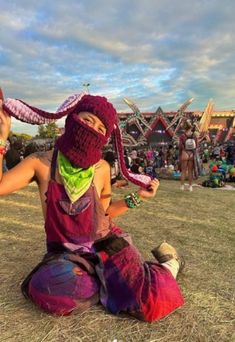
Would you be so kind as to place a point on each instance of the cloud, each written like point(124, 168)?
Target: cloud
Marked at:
point(159, 53)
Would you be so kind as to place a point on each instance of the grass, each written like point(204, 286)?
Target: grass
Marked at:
point(200, 224)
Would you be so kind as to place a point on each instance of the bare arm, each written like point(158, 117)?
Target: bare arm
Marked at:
point(119, 207)
point(23, 173)
point(19, 176)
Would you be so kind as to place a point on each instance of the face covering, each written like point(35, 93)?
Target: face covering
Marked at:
point(80, 143)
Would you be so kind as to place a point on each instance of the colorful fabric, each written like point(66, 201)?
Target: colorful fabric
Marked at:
point(91, 261)
point(62, 286)
point(76, 180)
point(73, 226)
point(148, 289)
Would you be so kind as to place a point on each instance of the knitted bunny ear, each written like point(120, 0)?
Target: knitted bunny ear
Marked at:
point(137, 179)
point(35, 116)
point(70, 102)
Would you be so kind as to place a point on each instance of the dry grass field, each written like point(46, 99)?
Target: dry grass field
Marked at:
point(201, 224)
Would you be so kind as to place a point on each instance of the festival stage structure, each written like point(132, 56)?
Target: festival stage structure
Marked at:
point(161, 128)
point(222, 126)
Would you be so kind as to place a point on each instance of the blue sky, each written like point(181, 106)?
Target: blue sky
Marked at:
point(155, 52)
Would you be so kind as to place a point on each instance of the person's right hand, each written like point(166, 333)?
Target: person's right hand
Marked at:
point(5, 123)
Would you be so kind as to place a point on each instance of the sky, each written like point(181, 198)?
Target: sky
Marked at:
point(154, 52)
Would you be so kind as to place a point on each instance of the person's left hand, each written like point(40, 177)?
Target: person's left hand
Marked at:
point(151, 192)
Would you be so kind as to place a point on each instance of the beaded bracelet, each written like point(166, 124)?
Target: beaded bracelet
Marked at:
point(3, 142)
point(4, 146)
point(132, 200)
point(2, 150)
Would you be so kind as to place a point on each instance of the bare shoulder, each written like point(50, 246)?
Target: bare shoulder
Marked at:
point(102, 166)
point(102, 175)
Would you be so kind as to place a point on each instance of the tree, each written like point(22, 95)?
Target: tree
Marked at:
point(52, 130)
point(49, 130)
point(41, 131)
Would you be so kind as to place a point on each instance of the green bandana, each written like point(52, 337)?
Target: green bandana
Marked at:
point(76, 180)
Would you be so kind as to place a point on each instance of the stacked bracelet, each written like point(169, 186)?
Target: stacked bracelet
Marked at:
point(3, 142)
point(132, 200)
point(4, 146)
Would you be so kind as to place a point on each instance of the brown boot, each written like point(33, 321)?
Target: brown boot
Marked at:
point(165, 252)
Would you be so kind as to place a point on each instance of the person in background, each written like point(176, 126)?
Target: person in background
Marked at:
point(187, 150)
point(128, 160)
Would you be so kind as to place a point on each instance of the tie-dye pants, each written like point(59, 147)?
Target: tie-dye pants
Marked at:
point(116, 276)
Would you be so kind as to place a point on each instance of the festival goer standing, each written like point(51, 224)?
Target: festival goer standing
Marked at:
point(157, 160)
point(222, 153)
point(216, 152)
point(187, 151)
point(127, 159)
point(89, 259)
point(170, 155)
point(162, 156)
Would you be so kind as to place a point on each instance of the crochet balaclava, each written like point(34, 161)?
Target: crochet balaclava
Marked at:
point(81, 144)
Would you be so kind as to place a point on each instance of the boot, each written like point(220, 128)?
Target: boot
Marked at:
point(165, 252)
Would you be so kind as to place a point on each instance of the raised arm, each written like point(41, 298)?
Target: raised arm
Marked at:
point(24, 172)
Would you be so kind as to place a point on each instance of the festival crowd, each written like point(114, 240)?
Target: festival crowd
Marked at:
point(162, 161)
